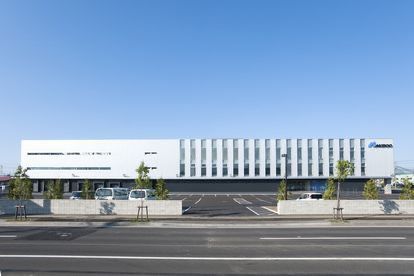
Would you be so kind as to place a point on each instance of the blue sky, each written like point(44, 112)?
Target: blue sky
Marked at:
point(168, 69)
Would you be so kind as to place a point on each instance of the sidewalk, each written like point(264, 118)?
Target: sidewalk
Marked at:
point(211, 222)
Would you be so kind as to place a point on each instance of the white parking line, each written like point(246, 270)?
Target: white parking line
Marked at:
point(187, 209)
point(180, 258)
point(198, 200)
point(8, 236)
point(262, 200)
point(337, 238)
point(242, 201)
point(257, 214)
point(270, 210)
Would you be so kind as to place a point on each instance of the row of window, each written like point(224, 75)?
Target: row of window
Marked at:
point(70, 168)
point(71, 153)
point(246, 161)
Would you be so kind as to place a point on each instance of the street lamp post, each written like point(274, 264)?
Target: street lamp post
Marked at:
point(284, 155)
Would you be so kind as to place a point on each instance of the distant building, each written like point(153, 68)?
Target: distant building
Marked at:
point(219, 165)
point(4, 182)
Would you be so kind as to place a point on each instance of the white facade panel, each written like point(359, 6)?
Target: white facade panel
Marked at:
point(117, 160)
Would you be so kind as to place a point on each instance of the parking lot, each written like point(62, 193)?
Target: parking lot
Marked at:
point(242, 204)
point(213, 205)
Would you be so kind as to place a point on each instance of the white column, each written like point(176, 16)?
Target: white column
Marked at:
point(241, 158)
point(347, 150)
point(230, 146)
point(357, 165)
point(304, 158)
point(209, 160)
point(219, 158)
point(294, 144)
point(262, 157)
point(283, 150)
point(251, 158)
point(315, 164)
point(198, 157)
point(326, 158)
point(272, 157)
point(187, 157)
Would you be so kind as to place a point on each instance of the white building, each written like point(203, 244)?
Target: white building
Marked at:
point(206, 164)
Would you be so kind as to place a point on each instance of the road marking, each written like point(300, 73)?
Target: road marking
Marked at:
point(198, 200)
point(256, 213)
point(187, 209)
point(8, 236)
point(184, 199)
point(337, 238)
point(262, 200)
point(211, 258)
point(270, 210)
point(242, 201)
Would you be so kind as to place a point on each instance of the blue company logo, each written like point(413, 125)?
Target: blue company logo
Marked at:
point(372, 145)
point(375, 145)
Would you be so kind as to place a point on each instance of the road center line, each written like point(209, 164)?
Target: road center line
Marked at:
point(210, 258)
point(336, 238)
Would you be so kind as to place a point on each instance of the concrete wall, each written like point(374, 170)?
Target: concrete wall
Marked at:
point(351, 207)
point(93, 207)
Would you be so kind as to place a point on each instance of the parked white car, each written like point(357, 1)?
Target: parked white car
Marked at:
point(111, 193)
point(138, 194)
point(310, 196)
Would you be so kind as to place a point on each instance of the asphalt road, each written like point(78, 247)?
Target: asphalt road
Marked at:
point(178, 251)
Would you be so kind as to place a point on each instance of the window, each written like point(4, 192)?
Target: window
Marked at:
point(192, 158)
point(278, 158)
point(267, 157)
point(341, 149)
point(331, 157)
point(362, 144)
point(320, 157)
point(203, 158)
point(70, 168)
point(182, 157)
point(299, 157)
point(310, 157)
point(352, 151)
point(246, 157)
point(214, 158)
point(235, 157)
point(225, 158)
point(289, 157)
point(256, 157)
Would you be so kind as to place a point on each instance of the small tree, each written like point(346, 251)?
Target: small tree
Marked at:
point(54, 190)
point(142, 181)
point(86, 190)
point(161, 191)
point(281, 194)
point(344, 169)
point(20, 186)
point(407, 191)
point(330, 189)
point(370, 190)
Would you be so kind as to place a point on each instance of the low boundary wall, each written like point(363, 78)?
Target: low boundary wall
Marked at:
point(92, 207)
point(351, 207)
